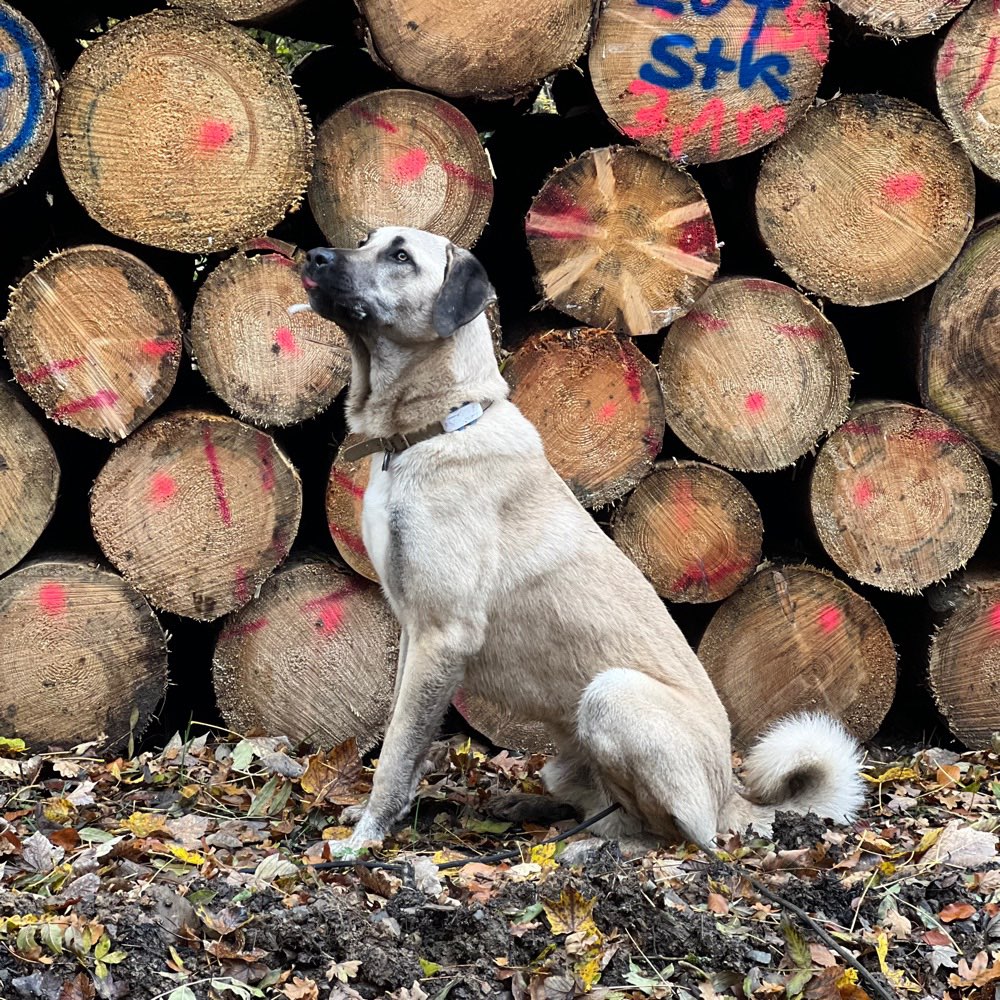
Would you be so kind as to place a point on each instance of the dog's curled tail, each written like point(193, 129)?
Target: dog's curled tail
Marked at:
point(806, 763)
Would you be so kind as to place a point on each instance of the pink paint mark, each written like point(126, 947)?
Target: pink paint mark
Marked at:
point(100, 400)
point(712, 116)
point(52, 599)
point(329, 609)
point(553, 209)
point(285, 340)
point(218, 483)
point(946, 61)
point(243, 629)
point(697, 237)
point(213, 135)
point(242, 591)
point(653, 440)
point(266, 462)
point(651, 119)
point(162, 488)
point(455, 118)
point(159, 348)
point(377, 120)
point(461, 705)
point(935, 435)
point(902, 187)
point(707, 321)
point(799, 330)
point(280, 259)
point(864, 492)
point(346, 483)
point(994, 617)
point(607, 412)
point(860, 427)
point(410, 165)
point(830, 619)
point(633, 376)
point(667, 15)
point(992, 53)
point(695, 574)
point(466, 177)
point(806, 29)
point(756, 402)
point(30, 378)
point(278, 546)
point(351, 540)
point(683, 504)
point(761, 285)
point(770, 120)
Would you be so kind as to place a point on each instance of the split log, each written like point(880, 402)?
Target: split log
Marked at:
point(964, 668)
point(29, 480)
point(968, 83)
point(501, 728)
point(796, 639)
point(238, 11)
point(902, 18)
point(597, 404)
point(900, 498)
point(83, 655)
point(195, 511)
point(312, 658)
point(754, 375)
point(477, 48)
point(704, 82)
point(28, 87)
point(221, 148)
point(400, 158)
point(960, 343)
point(345, 494)
point(693, 530)
point(94, 337)
point(621, 238)
point(887, 225)
point(269, 367)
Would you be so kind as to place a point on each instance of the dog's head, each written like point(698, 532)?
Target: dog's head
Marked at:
point(407, 285)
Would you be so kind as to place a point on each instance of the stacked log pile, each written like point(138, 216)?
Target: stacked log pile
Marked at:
point(748, 269)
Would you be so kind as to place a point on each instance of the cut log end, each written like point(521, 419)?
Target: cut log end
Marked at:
point(312, 658)
point(622, 239)
point(597, 404)
point(345, 493)
point(221, 151)
point(900, 498)
point(675, 83)
point(754, 375)
point(477, 48)
point(196, 510)
point(94, 337)
point(28, 88)
point(29, 480)
point(891, 224)
point(693, 530)
point(84, 657)
point(400, 158)
point(796, 639)
point(501, 728)
point(960, 343)
point(902, 18)
point(238, 11)
point(271, 368)
point(967, 72)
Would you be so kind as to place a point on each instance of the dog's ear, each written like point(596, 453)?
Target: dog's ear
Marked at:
point(465, 293)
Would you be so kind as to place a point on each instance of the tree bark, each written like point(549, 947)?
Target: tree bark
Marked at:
point(902, 18)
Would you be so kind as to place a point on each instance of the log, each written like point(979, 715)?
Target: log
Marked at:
point(900, 498)
point(964, 666)
point(902, 18)
point(400, 158)
point(754, 375)
point(797, 639)
point(238, 11)
point(312, 658)
point(94, 337)
point(195, 511)
point(621, 238)
point(597, 404)
point(502, 729)
point(83, 655)
point(221, 150)
point(29, 82)
point(701, 82)
point(967, 72)
point(694, 531)
point(29, 480)
point(487, 49)
point(270, 368)
point(345, 493)
point(960, 343)
point(888, 226)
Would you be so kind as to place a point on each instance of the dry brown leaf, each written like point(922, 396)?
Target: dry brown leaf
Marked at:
point(335, 777)
point(717, 903)
point(956, 911)
point(301, 989)
point(78, 988)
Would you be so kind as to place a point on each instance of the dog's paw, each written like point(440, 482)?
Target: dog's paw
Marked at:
point(351, 815)
point(345, 850)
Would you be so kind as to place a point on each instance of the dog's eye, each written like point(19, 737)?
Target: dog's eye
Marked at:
point(402, 256)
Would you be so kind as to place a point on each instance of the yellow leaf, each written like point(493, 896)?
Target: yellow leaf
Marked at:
point(589, 972)
point(544, 855)
point(882, 949)
point(929, 839)
point(887, 868)
point(11, 746)
point(59, 811)
point(893, 774)
point(188, 857)
point(569, 913)
point(849, 978)
point(142, 824)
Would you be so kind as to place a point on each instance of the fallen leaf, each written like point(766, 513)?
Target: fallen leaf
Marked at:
point(956, 911)
point(335, 777)
point(717, 903)
point(301, 989)
point(40, 854)
point(79, 988)
point(569, 913)
point(962, 846)
point(893, 774)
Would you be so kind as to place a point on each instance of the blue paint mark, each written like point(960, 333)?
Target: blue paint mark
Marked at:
point(33, 71)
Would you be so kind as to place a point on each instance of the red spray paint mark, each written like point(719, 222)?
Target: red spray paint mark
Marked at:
point(162, 488)
point(607, 412)
point(864, 492)
point(409, 166)
point(860, 427)
point(989, 62)
point(799, 330)
point(756, 402)
point(244, 629)
point(707, 321)
point(667, 15)
point(994, 617)
point(653, 440)
point(278, 546)
point(695, 574)
point(770, 120)
point(461, 706)
point(346, 483)
point(935, 435)
point(266, 462)
point(280, 259)
point(285, 340)
point(761, 285)
point(455, 118)
point(159, 348)
point(329, 610)
point(552, 207)
point(242, 589)
point(52, 599)
point(805, 29)
point(351, 540)
point(650, 119)
point(30, 378)
point(902, 187)
point(712, 116)
point(830, 619)
point(218, 484)
point(633, 377)
point(463, 175)
point(683, 504)
point(213, 135)
point(697, 237)
point(946, 61)
point(100, 400)
point(377, 120)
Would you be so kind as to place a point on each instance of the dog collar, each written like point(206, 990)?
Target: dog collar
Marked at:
point(458, 419)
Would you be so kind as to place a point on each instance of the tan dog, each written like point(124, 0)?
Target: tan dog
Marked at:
point(504, 585)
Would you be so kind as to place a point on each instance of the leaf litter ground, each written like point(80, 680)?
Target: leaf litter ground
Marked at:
point(186, 874)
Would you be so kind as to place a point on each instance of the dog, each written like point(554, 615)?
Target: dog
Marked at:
point(504, 585)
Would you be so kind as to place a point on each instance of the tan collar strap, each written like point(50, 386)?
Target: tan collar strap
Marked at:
point(458, 419)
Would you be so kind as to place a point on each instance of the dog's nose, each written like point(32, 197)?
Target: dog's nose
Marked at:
point(321, 257)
